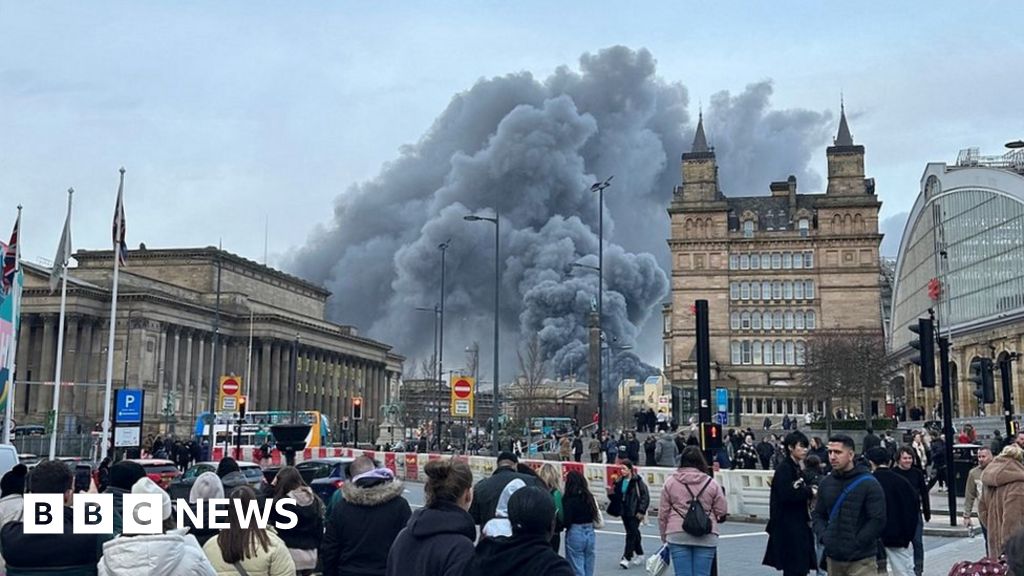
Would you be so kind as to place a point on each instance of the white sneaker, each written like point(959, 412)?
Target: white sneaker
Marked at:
point(638, 561)
point(624, 564)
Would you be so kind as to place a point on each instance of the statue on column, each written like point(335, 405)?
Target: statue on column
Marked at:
point(391, 431)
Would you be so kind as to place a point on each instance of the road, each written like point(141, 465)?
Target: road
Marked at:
point(740, 548)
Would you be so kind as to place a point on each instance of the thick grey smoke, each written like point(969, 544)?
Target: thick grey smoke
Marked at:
point(532, 149)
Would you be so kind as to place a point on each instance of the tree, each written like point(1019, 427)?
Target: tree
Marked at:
point(844, 367)
point(532, 371)
point(428, 368)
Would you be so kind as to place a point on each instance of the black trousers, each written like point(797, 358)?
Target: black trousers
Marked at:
point(634, 547)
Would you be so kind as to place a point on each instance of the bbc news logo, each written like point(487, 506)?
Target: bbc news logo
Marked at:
point(143, 514)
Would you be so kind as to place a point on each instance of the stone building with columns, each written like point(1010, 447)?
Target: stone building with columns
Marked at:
point(164, 341)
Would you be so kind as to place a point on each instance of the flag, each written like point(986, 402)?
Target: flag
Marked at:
point(60, 261)
point(120, 247)
point(11, 258)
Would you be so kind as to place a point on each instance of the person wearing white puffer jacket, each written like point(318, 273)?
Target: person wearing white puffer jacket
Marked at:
point(173, 553)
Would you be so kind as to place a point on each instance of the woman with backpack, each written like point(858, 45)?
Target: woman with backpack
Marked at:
point(630, 499)
point(790, 541)
point(692, 505)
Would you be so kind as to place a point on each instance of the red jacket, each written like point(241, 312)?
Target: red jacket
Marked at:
point(675, 500)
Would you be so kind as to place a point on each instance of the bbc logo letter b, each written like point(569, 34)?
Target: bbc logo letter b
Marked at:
point(44, 514)
point(93, 513)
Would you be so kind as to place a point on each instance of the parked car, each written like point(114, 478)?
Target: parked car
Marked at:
point(29, 430)
point(162, 472)
point(325, 475)
point(29, 460)
point(181, 486)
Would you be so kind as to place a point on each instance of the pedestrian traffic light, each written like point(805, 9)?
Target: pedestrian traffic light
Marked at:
point(242, 401)
point(710, 436)
point(357, 408)
point(981, 375)
point(924, 344)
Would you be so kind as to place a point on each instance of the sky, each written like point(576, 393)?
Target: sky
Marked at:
point(238, 120)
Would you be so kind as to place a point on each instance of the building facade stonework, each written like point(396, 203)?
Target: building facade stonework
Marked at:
point(164, 341)
point(774, 269)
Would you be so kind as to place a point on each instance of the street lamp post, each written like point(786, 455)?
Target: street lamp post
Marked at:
point(443, 247)
point(497, 283)
point(599, 188)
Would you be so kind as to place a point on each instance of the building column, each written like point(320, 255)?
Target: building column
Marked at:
point(23, 368)
point(67, 393)
point(272, 397)
point(285, 392)
point(43, 393)
point(263, 382)
point(196, 378)
point(82, 371)
point(172, 382)
point(335, 398)
point(161, 374)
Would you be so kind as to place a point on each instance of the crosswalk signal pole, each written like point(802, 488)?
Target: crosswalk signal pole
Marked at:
point(704, 386)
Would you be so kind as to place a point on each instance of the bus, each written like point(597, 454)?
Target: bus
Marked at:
point(256, 427)
point(545, 426)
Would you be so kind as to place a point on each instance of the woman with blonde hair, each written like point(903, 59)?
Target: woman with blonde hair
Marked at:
point(1001, 508)
point(552, 480)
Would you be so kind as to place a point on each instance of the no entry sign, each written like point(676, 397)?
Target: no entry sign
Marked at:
point(230, 392)
point(462, 396)
point(230, 387)
point(462, 388)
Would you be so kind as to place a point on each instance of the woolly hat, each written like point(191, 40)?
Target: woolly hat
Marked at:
point(147, 486)
point(206, 486)
point(13, 481)
point(125, 474)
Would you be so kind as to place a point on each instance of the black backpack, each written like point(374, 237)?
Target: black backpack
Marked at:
point(696, 521)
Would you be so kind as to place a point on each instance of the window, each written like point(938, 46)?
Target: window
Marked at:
point(757, 353)
point(760, 406)
point(755, 320)
point(667, 323)
point(734, 262)
point(755, 290)
point(767, 353)
point(789, 319)
point(755, 261)
point(808, 259)
point(787, 290)
point(750, 405)
point(766, 290)
point(776, 261)
point(787, 260)
point(744, 262)
point(798, 260)
point(776, 290)
point(745, 321)
point(805, 227)
point(777, 320)
point(734, 320)
point(789, 406)
point(736, 353)
point(780, 352)
point(790, 353)
point(809, 289)
point(801, 352)
point(747, 352)
point(734, 291)
point(810, 320)
point(798, 290)
point(745, 291)
point(748, 228)
point(668, 353)
point(798, 319)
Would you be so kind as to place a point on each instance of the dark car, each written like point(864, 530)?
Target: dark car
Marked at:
point(182, 486)
point(325, 475)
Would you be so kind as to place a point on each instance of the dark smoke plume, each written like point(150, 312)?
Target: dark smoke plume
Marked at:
point(532, 148)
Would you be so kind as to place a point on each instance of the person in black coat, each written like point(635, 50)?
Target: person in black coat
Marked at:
point(577, 448)
point(908, 467)
point(632, 499)
point(531, 511)
point(937, 455)
point(438, 541)
point(790, 541)
point(765, 449)
point(871, 441)
point(900, 510)
point(487, 491)
point(650, 444)
point(632, 447)
point(303, 539)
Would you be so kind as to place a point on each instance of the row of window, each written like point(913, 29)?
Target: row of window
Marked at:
point(773, 320)
point(791, 406)
point(772, 261)
point(772, 290)
point(804, 225)
point(768, 352)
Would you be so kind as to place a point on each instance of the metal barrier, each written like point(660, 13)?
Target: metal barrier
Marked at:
point(73, 445)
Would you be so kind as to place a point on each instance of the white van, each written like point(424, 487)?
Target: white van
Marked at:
point(8, 458)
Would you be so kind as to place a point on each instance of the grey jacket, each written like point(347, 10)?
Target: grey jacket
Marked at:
point(665, 453)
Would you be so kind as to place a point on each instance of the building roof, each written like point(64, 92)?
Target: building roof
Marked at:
point(843, 138)
point(700, 141)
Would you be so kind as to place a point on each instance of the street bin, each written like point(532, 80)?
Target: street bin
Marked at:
point(965, 457)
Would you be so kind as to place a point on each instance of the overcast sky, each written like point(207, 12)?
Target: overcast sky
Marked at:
point(228, 113)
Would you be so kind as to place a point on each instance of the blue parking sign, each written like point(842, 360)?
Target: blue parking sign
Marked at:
point(128, 407)
point(722, 399)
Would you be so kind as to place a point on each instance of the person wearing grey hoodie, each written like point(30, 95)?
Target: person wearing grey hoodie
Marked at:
point(666, 453)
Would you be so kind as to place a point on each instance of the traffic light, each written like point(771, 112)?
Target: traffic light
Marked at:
point(925, 346)
point(242, 401)
point(710, 436)
point(981, 375)
point(357, 408)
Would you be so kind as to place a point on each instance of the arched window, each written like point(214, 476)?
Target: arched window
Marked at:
point(777, 320)
point(766, 316)
point(787, 290)
point(804, 227)
point(776, 290)
point(744, 262)
point(734, 262)
point(790, 353)
point(780, 352)
point(734, 291)
point(798, 290)
point(766, 290)
point(757, 353)
point(748, 228)
point(745, 320)
point(809, 289)
point(798, 319)
point(747, 354)
point(789, 319)
point(745, 291)
point(755, 320)
point(810, 320)
point(755, 261)
point(734, 320)
point(736, 353)
point(768, 353)
point(801, 352)
point(787, 260)
point(776, 260)
point(755, 290)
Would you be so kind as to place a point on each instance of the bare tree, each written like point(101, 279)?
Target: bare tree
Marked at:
point(428, 368)
point(845, 367)
point(532, 369)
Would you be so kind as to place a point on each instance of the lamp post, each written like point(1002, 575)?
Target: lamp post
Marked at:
point(599, 188)
point(443, 247)
point(437, 313)
point(495, 411)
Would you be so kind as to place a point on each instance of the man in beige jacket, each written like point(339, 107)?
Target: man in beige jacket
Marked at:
point(974, 488)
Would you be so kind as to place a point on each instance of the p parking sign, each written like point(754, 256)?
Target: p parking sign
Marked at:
point(129, 407)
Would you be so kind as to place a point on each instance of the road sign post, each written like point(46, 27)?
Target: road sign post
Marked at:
point(462, 400)
point(230, 392)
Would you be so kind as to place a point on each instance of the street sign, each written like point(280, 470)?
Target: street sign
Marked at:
point(230, 391)
point(722, 417)
point(127, 437)
point(722, 399)
point(129, 407)
point(462, 396)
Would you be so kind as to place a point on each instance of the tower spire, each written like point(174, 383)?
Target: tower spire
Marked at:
point(700, 141)
point(843, 138)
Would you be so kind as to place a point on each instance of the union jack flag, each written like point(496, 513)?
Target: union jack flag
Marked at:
point(11, 258)
point(118, 231)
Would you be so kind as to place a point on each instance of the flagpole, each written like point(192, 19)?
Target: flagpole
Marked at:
point(108, 384)
point(12, 351)
point(248, 367)
point(60, 341)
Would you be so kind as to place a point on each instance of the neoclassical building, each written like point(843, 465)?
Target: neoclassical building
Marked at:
point(774, 269)
point(967, 230)
point(165, 336)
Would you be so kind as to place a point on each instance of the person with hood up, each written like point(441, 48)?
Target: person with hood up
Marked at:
point(12, 499)
point(691, 555)
point(528, 551)
point(173, 553)
point(364, 524)
point(230, 474)
point(247, 549)
point(666, 453)
point(206, 487)
point(500, 526)
point(303, 539)
point(1001, 509)
point(438, 540)
point(123, 476)
point(487, 491)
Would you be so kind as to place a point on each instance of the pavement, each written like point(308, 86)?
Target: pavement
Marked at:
point(741, 546)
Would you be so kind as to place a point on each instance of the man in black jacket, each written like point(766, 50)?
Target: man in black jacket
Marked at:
point(850, 530)
point(871, 441)
point(916, 477)
point(901, 513)
point(43, 553)
point(487, 491)
point(364, 524)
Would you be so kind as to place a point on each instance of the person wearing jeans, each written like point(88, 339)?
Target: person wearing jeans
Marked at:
point(579, 512)
point(630, 495)
point(692, 555)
